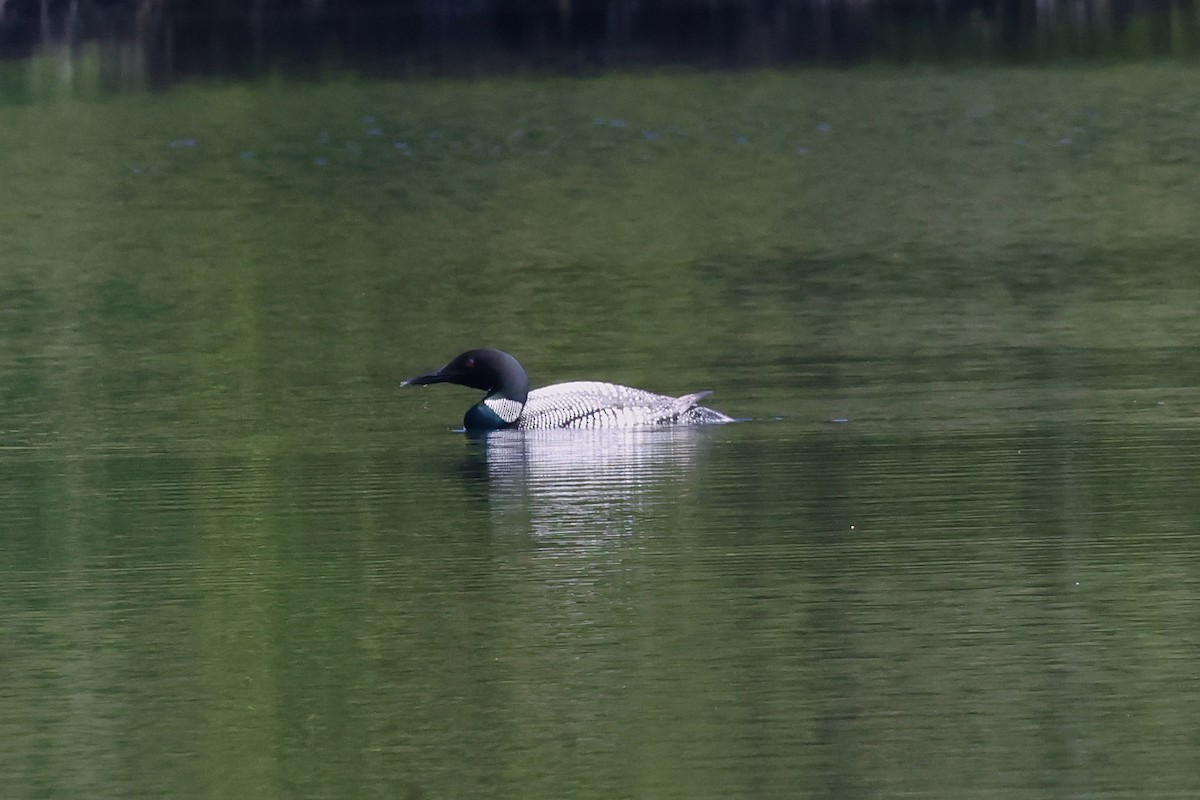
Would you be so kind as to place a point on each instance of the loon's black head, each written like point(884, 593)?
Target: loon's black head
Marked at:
point(493, 371)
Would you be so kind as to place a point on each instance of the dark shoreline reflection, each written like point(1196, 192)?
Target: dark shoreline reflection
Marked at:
point(164, 42)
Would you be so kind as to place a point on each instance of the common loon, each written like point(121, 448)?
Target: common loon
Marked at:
point(578, 404)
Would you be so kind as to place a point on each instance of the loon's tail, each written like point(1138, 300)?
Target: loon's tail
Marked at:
point(688, 401)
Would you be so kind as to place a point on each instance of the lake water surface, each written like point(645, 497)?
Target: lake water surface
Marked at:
point(951, 553)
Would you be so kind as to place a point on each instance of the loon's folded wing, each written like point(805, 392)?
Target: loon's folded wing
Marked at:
point(594, 404)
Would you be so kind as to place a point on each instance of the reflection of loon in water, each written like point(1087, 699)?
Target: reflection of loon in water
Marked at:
point(586, 483)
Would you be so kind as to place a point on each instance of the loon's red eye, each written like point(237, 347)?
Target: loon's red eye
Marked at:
point(470, 363)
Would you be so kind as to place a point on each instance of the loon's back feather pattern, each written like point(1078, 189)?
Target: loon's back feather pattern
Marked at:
point(595, 404)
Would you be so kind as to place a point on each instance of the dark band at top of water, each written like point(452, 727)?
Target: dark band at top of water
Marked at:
point(166, 41)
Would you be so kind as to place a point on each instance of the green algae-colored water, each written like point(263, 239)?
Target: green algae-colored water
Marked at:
point(953, 552)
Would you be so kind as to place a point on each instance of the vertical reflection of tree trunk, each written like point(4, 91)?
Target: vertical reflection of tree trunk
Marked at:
point(154, 39)
point(564, 20)
point(71, 23)
point(257, 27)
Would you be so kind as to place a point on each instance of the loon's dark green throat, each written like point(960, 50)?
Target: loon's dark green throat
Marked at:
point(509, 403)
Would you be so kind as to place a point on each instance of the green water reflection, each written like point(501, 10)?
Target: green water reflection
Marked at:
point(238, 561)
